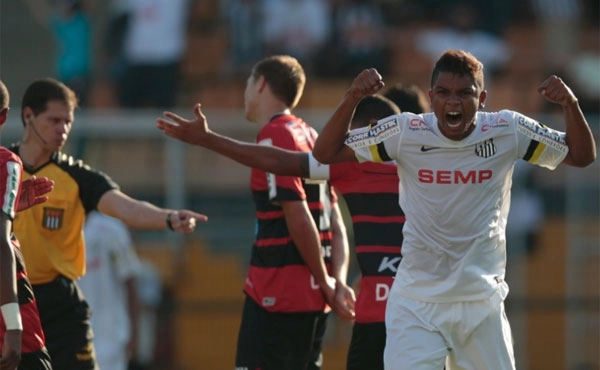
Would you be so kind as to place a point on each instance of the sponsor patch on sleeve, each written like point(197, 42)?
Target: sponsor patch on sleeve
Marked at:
point(368, 136)
point(542, 134)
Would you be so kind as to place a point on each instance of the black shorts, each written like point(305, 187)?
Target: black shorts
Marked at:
point(65, 317)
point(38, 360)
point(366, 346)
point(275, 340)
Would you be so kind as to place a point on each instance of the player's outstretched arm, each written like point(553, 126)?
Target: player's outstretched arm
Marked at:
point(582, 147)
point(330, 146)
point(267, 158)
point(144, 215)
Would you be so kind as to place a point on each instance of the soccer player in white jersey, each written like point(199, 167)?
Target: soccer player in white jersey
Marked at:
point(455, 167)
point(109, 286)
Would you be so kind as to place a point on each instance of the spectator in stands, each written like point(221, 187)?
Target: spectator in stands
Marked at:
point(299, 28)
point(560, 22)
point(359, 37)
point(153, 49)
point(243, 19)
point(461, 30)
point(69, 23)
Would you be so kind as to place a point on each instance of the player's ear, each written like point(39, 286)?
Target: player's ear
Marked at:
point(3, 115)
point(482, 97)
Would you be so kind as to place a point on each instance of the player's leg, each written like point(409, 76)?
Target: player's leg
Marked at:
point(412, 342)
point(65, 318)
point(289, 341)
point(489, 346)
point(366, 346)
point(249, 345)
point(316, 357)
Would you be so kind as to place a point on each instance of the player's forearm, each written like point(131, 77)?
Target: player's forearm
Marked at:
point(331, 139)
point(264, 157)
point(308, 244)
point(305, 235)
point(582, 147)
point(340, 249)
point(8, 283)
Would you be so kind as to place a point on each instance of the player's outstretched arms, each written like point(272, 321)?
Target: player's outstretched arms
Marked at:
point(33, 191)
point(330, 146)
point(267, 158)
point(146, 216)
point(582, 147)
point(195, 131)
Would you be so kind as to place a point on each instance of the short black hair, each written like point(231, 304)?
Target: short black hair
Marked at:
point(461, 63)
point(373, 107)
point(41, 91)
point(409, 98)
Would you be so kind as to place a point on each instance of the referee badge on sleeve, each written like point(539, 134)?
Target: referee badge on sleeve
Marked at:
point(53, 218)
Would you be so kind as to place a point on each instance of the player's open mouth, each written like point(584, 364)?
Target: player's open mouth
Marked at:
point(453, 119)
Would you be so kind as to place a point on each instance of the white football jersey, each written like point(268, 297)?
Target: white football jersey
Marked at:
point(110, 261)
point(456, 196)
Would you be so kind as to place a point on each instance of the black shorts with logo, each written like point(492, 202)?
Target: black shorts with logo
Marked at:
point(277, 340)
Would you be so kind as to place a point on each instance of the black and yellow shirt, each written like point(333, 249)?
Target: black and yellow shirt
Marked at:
point(51, 234)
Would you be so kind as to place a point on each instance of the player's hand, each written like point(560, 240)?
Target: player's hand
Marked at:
point(344, 301)
point(556, 91)
point(368, 82)
point(184, 221)
point(33, 192)
point(328, 290)
point(194, 131)
point(11, 351)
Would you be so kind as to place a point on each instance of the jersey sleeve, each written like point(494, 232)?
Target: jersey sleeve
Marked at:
point(372, 143)
point(537, 143)
point(92, 184)
point(317, 171)
point(10, 186)
point(282, 188)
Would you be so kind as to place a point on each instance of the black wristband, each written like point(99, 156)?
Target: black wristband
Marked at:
point(169, 224)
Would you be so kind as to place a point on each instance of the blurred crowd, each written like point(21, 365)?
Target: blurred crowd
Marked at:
point(145, 42)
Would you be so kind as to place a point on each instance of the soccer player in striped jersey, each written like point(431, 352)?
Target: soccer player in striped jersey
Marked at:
point(446, 305)
point(22, 341)
point(301, 239)
point(371, 194)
